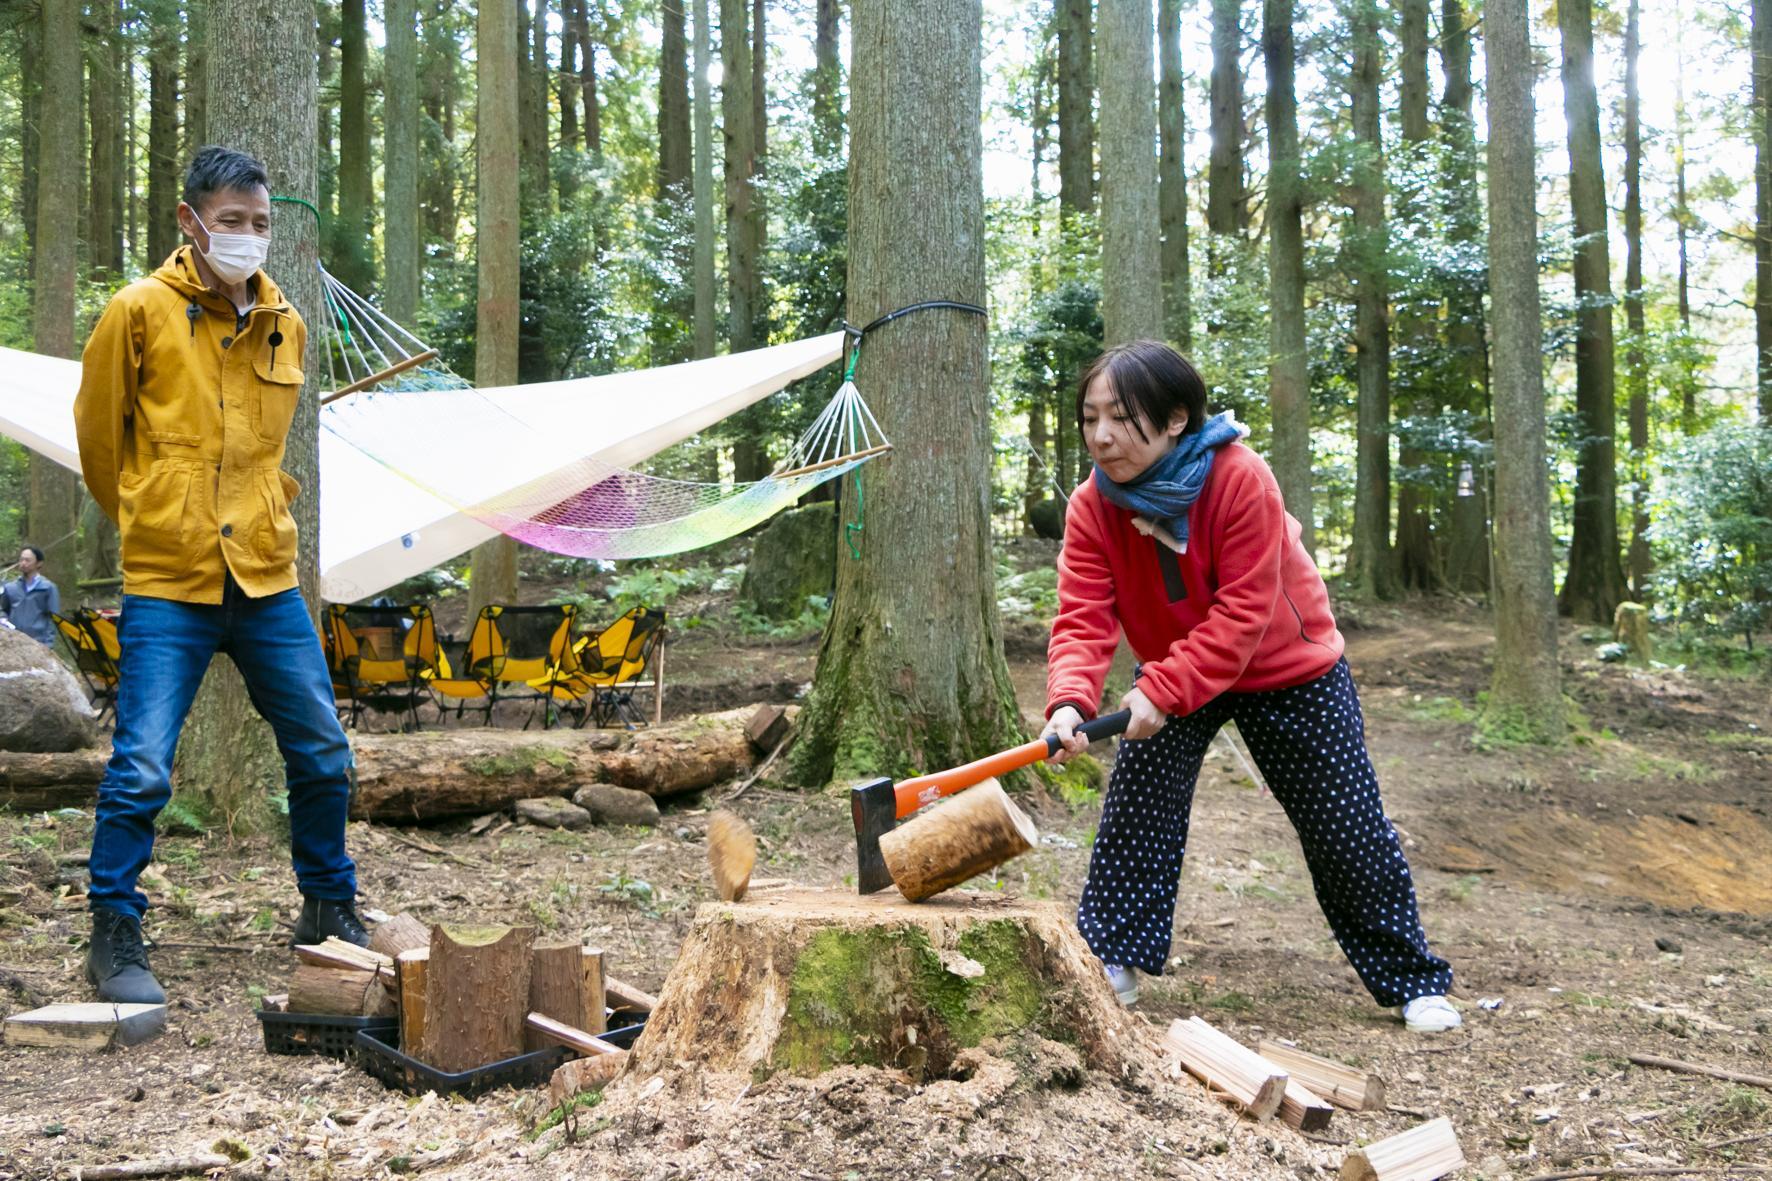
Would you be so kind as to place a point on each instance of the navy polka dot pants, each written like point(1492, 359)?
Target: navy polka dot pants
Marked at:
point(1309, 742)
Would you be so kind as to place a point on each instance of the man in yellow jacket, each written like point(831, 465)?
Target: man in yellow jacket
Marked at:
point(188, 388)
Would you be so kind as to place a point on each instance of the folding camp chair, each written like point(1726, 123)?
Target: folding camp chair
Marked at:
point(485, 646)
point(535, 654)
point(91, 640)
point(612, 664)
point(385, 654)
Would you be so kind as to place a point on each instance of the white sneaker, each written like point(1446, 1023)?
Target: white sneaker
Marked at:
point(1124, 982)
point(1430, 1014)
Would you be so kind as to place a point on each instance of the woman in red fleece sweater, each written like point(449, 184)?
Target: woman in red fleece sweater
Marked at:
point(1180, 539)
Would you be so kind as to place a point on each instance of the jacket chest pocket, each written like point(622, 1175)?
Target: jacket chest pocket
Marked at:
point(275, 391)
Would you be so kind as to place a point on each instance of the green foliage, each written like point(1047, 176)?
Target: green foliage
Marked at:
point(637, 892)
point(1712, 533)
point(810, 621)
point(1029, 594)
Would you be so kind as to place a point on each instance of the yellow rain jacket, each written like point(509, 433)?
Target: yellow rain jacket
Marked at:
point(183, 409)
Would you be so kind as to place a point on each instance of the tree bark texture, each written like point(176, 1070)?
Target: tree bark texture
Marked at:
point(351, 253)
point(196, 114)
point(1227, 204)
point(1172, 177)
point(1595, 582)
point(1076, 108)
point(1636, 360)
point(1131, 252)
point(741, 150)
point(1683, 222)
point(163, 147)
point(1467, 558)
point(705, 311)
point(105, 120)
point(569, 87)
point(264, 97)
point(827, 82)
point(440, 72)
point(1760, 39)
point(972, 834)
point(1415, 389)
point(400, 136)
point(55, 491)
point(476, 996)
point(532, 104)
point(1369, 571)
point(593, 110)
point(911, 671)
point(497, 253)
point(1526, 694)
point(1288, 377)
point(676, 310)
point(803, 980)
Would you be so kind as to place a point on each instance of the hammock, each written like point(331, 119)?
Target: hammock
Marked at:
point(526, 462)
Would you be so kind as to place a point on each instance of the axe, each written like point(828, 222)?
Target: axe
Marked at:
point(878, 805)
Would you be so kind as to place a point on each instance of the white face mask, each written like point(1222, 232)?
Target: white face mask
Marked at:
point(233, 257)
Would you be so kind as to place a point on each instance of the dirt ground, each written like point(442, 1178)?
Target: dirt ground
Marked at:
point(1609, 898)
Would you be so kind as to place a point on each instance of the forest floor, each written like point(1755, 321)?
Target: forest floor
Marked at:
point(1608, 898)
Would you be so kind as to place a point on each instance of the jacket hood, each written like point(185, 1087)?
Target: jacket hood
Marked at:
point(179, 272)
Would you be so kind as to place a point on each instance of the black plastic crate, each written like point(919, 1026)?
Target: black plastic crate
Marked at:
point(377, 1054)
point(327, 1034)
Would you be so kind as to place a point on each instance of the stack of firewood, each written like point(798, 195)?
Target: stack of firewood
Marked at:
point(467, 997)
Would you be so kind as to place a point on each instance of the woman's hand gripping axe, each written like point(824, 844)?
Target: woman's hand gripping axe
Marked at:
point(879, 804)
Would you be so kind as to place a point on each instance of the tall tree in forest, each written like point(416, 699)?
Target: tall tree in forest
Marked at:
point(1595, 582)
point(401, 243)
point(676, 308)
point(568, 91)
point(350, 246)
point(1227, 200)
point(1131, 269)
point(330, 84)
point(1760, 41)
point(1636, 357)
point(196, 104)
point(760, 158)
point(1525, 699)
point(538, 165)
point(263, 99)
point(1467, 550)
point(827, 82)
point(704, 187)
point(911, 673)
point(163, 146)
point(1076, 109)
point(1369, 565)
point(105, 118)
point(587, 73)
point(55, 491)
point(1688, 381)
point(30, 86)
point(737, 112)
point(440, 73)
point(1288, 378)
point(1416, 313)
point(1172, 176)
point(497, 252)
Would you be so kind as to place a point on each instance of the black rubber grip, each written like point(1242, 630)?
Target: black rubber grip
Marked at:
point(1105, 726)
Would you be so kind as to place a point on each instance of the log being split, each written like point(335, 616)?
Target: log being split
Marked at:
point(973, 832)
point(625, 996)
point(398, 934)
point(1420, 1154)
point(350, 992)
point(476, 996)
point(556, 991)
point(1355, 1090)
point(1225, 1064)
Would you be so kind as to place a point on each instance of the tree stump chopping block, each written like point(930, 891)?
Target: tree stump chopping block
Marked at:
point(976, 831)
point(804, 980)
point(476, 996)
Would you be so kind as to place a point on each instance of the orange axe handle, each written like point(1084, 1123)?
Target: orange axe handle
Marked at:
point(913, 794)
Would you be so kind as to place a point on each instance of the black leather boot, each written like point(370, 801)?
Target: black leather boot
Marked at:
point(117, 963)
point(328, 918)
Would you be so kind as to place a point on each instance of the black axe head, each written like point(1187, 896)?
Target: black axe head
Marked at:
point(874, 805)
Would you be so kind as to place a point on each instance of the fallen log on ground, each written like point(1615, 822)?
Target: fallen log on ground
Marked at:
point(687, 755)
point(803, 980)
point(44, 782)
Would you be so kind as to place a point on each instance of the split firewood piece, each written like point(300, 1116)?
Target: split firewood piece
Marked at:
point(410, 967)
point(556, 989)
point(732, 854)
point(585, 1074)
point(476, 996)
point(321, 988)
point(1301, 1108)
point(976, 831)
point(593, 994)
point(1342, 1085)
point(398, 934)
point(336, 953)
point(1225, 1064)
point(1420, 1154)
point(552, 1032)
point(626, 996)
point(200, 1163)
point(276, 1002)
point(767, 727)
point(92, 1025)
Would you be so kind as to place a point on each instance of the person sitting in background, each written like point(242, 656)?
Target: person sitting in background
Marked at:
point(30, 601)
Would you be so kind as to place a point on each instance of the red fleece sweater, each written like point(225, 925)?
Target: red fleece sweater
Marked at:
point(1252, 612)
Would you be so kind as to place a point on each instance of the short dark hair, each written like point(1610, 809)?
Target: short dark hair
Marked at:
point(216, 169)
point(1151, 381)
point(35, 553)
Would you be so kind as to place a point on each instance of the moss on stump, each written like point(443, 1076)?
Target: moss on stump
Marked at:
point(802, 981)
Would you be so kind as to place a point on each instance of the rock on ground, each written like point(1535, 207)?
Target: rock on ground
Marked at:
point(609, 804)
point(42, 707)
point(552, 812)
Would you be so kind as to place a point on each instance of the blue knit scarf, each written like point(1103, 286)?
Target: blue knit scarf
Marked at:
point(1164, 492)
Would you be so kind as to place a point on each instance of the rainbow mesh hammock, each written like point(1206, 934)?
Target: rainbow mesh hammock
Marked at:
point(471, 446)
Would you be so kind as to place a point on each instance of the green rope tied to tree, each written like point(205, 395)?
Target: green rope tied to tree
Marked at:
point(853, 529)
point(338, 314)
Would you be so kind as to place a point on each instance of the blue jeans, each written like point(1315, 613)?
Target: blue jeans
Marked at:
point(166, 648)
